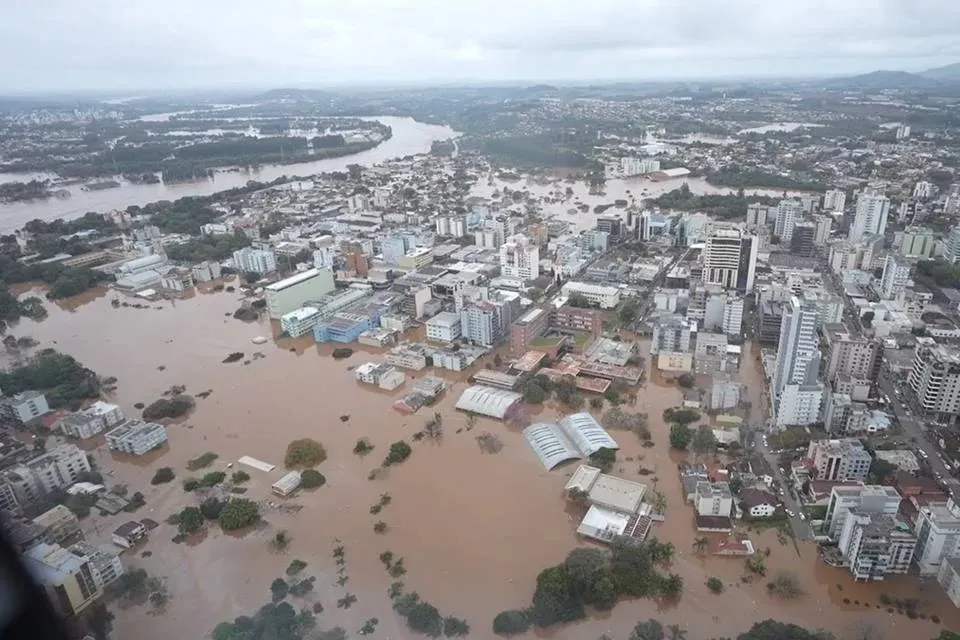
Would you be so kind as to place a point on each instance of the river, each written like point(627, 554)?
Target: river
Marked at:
point(409, 138)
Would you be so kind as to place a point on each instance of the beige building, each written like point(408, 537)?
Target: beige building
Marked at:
point(67, 578)
point(850, 355)
point(293, 292)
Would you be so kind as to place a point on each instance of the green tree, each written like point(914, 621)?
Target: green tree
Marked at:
point(239, 477)
point(399, 451)
point(279, 589)
point(604, 459)
point(628, 310)
point(700, 544)
point(304, 452)
point(579, 301)
point(425, 618)
point(773, 630)
point(190, 520)
point(555, 599)
point(647, 630)
point(533, 394)
point(455, 627)
point(511, 622)
point(703, 441)
point(675, 632)
point(311, 478)
point(715, 585)
point(238, 513)
point(583, 562)
point(680, 436)
point(686, 381)
point(163, 475)
point(880, 470)
point(211, 508)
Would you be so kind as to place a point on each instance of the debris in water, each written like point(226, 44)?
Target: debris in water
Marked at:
point(344, 418)
point(233, 357)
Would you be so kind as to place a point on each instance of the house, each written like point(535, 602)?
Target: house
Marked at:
point(730, 547)
point(285, 486)
point(129, 534)
point(758, 503)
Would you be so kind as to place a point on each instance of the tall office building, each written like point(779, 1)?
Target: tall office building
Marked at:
point(803, 243)
point(730, 258)
point(895, 278)
point(789, 212)
point(871, 216)
point(520, 258)
point(834, 200)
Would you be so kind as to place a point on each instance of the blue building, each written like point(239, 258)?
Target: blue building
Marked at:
point(346, 326)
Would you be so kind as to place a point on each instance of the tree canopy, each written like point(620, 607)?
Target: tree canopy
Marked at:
point(65, 381)
point(304, 452)
point(238, 513)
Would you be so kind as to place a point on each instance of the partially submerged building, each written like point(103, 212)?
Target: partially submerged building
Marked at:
point(578, 435)
point(488, 401)
point(616, 505)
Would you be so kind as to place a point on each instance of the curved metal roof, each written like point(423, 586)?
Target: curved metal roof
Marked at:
point(587, 434)
point(488, 401)
point(550, 444)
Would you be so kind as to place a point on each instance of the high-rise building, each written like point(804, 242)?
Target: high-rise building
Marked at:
point(394, 248)
point(895, 278)
point(789, 213)
point(732, 324)
point(68, 578)
point(757, 215)
point(871, 216)
point(258, 261)
point(798, 354)
point(848, 355)
point(57, 468)
point(824, 226)
point(834, 200)
point(869, 499)
point(938, 535)
point(917, 242)
point(838, 460)
point(952, 251)
point(804, 243)
point(672, 334)
point(730, 258)
point(935, 380)
point(874, 546)
point(520, 258)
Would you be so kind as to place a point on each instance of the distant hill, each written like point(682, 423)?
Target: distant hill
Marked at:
point(949, 73)
point(880, 80)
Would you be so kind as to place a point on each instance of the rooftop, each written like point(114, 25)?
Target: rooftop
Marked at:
point(293, 280)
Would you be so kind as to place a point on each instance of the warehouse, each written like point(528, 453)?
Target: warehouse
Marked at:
point(490, 402)
point(578, 435)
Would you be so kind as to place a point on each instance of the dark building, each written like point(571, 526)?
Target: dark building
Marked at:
point(613, 226)
point(803, 242)
point(771, 317)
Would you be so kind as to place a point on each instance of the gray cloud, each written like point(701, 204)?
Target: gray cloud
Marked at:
point(118, 44)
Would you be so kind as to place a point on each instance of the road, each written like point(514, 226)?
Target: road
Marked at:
point(801, 528)
point(911, 427)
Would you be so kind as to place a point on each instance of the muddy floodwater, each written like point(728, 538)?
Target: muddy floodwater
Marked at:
point(473, 529)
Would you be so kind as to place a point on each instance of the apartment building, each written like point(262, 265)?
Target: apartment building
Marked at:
point(136, 437)
point(259, 261)
point(67, 578)
point(672, 334)
point(834, 200)
point(862, 499)
point(293, 292)
point(25, 406)
point(803, 243)
point(871, 216)
point(95, 419)
point(916, 242)
point(935, 380)
point(938, 535)
point(951, 252)
point(713, 499)
point(713, 354)
point(520, 258)
point(895, 277)
point(846, 354)
point(874, 546)
point(789, 213)
point(445, 326)
point(840, 459)
point(55, 469)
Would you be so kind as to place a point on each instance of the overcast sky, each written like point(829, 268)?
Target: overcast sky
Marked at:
point(139, 45)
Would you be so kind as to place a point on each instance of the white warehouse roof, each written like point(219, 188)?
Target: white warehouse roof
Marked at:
point(488, 401)
point(577, 436)
point(550, 444)
point(587, 434)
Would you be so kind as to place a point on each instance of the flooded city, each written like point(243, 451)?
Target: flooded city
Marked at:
point(473, 528)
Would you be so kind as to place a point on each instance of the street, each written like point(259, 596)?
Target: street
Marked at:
point(801, 528)
point(911, 427)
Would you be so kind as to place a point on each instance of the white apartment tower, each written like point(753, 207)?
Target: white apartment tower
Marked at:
point(834, 200)
point(938, 535)
point(896, 277)
point(789, 213)
point(730, 258)
point(871, 216)
point(798, 355)
point(935, 380)
point(520, 258)
point(254, 260)
point(952, 251)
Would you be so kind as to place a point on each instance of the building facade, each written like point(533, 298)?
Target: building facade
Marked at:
point(293, 292)
point(136, 437)
point(935, 380)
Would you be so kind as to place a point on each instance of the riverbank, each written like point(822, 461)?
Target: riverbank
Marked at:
point(409, 137)
point(474, 528)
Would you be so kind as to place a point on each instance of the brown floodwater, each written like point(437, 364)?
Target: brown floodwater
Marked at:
point(474, 529)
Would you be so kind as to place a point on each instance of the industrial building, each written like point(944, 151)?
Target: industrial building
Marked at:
point(499, 404)
point(578, 435)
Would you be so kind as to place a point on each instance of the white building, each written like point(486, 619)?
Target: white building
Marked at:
point(840, 459)
point(713, 499)
point(300, 321)
point(444, 327)
point(95, 419)
point(798, 355)
point(206, 271)
point(293, 292)
point(871, 216)
point(520, 258)
point(896, 277)
point(951, 252)
point(789, 213)
point(872, 499)
point(874, 546)
point(834, 200)
point(949, 579)
point(824, 226)
point(382, 375)
point(935, 380)
point(938, 535)
point(258, 261)
point(57, 468)
point(733, 316)
point(799, 404)
point(136, 437)
point(605, 297)
point(26, 406)
point(673, 334)
point(730, 258)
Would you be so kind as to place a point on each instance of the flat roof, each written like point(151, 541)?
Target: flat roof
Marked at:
point(583, 478)
point(606, 521)
point(300, 314)
point(616, 493)
point(293, 280)
point(530, 316)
